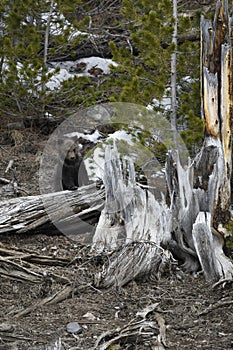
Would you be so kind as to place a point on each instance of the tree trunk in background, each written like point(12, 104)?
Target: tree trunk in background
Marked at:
point(46, 41)
point(173, 75)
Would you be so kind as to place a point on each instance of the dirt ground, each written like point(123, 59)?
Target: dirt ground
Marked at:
point(188, 312)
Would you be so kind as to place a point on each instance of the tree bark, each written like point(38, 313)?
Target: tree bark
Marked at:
point(173, 75)
point(65, 211)
point(46, 43)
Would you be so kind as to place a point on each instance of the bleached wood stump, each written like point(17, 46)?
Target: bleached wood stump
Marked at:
point(191, 225)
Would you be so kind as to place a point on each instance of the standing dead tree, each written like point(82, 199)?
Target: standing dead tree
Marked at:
point(192, 225)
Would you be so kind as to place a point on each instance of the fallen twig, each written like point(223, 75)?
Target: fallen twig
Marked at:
point(138, 328)
point(215, 306)
point(53, 299)
point(12, 270)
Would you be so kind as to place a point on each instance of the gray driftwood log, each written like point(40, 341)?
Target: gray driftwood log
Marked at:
point(64, 211)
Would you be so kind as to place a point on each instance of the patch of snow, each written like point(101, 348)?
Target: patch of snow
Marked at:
point(90, 137)
point(150, 107)
point(49, 116)
point(188, 79)
point(66, 67)
point(58, 24)
point(58, 78)
point(121, 135)
point(164, 103)
point(97, 62)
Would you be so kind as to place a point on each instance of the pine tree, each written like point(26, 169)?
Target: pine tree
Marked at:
point(144, 67)
point(143, 73)
point(32, 33)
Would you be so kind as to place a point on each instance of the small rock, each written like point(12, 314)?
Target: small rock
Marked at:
point(95, 71)
point(15, 126)
point(6, 327)
point(73, 327)
point(78, 68)
point(89, 316)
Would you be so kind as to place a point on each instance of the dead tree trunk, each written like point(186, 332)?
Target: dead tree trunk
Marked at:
point(192, 226)
point(133, 221)
point(65, 212)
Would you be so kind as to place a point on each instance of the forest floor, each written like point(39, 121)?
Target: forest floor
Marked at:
point(196, 314)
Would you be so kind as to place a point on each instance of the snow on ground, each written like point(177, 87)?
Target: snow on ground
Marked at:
point(55, 18)
point(58, 78)
point(67, 69)
point(164, 103)
point(58, 23)
point(121, 135)
point(102, 63)
point(90, 137)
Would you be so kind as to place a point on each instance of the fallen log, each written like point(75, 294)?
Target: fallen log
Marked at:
point(64, 211)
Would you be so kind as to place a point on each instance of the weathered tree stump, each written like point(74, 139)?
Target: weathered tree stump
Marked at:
point(191, 226)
